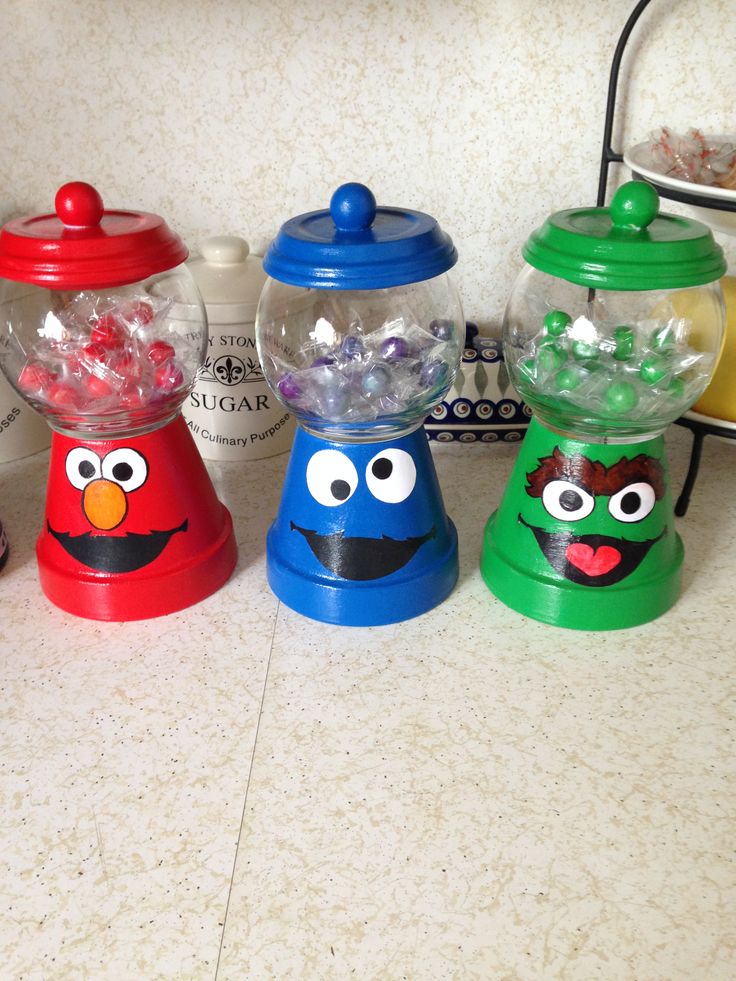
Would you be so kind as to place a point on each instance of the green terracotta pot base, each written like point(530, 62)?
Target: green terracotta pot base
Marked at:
point(564, 605)
point(584, 536)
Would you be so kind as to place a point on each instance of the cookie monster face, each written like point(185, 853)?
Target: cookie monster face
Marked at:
point(383, 489)
point(595, 524)
point(361, 512)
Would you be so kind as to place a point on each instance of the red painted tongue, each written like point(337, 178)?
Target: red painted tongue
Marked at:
point(592, 561)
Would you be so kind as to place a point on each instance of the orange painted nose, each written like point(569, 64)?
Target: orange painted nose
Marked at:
point(104, 504)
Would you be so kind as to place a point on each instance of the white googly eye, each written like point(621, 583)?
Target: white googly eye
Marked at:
point(566, 501)
point(633, 503)
point(331, 478)
point(391, 476)
point(125, 467)
point(82, 466)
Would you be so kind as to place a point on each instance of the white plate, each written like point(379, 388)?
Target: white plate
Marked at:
point(639, 160)
point(699, 417)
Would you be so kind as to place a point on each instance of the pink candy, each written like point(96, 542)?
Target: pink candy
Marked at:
point(159, 352)
point(106, 360)
point(168, 377)
point(35, 379)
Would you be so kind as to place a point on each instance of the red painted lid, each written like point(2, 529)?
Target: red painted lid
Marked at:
point(83, 246)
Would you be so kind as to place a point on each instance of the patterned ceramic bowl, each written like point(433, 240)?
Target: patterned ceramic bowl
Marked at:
point(481, 406)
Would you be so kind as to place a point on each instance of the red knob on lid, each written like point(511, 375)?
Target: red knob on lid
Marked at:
point(84, 246)
point(79, 205)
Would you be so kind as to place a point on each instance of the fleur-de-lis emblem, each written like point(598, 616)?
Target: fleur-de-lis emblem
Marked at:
point(229, 370)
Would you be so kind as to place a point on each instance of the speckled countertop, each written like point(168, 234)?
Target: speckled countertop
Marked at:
point(236, 792)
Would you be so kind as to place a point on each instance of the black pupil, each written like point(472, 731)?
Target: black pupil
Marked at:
point(630, 502)
point(570, 500)
point(86, 469)
point(122, 471)
point(340, 490)
point(382, 468)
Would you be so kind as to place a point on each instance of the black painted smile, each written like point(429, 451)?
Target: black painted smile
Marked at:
point(591, 560)
point(362, 558)
point(116, 553)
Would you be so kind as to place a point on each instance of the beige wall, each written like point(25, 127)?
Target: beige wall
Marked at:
point(230, 116)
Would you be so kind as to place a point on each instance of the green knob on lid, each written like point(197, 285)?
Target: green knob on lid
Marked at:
point(629, 246)
point(635, 205)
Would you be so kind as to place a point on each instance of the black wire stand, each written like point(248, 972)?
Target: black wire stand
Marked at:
point(698, 427)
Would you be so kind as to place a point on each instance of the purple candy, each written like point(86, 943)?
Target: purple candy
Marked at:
point(334, 401)
point(289, 388)
point(433, 373)
point(442, 329)
point(376, 380)
point(352, 348)
point(324, 360)
point(394, 349)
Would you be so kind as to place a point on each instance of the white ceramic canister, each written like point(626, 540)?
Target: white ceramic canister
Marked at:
point(231, 412)
point(22, 430)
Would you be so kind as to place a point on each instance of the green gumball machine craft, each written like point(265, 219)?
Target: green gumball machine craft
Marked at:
point(611, 332)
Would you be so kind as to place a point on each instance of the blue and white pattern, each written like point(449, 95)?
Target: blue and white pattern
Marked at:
point(481, 406)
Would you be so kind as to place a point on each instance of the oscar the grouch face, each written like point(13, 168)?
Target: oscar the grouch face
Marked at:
point(595, 524)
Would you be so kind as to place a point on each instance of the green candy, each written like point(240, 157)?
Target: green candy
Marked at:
point(550, 358)
point(662, 338)
point(568, 379)
point(583, 351)
point(621, 397)
point(624, 337)
point(556, 322)
point(676, 388)
point(652, 370)
point(592, 366)
point(528, 369)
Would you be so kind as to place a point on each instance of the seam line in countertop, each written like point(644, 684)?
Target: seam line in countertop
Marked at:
point(247, 788)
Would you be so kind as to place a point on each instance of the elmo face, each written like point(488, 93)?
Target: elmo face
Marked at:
point(105, 484)
point(595, 524)
point(135, 507)
point(133, 526)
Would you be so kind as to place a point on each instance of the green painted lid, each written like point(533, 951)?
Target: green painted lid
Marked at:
point(628, 246)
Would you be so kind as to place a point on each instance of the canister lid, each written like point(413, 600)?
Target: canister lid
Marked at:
point(628, 246)
point(84, 246)
point(356, 245)
point(226, 273)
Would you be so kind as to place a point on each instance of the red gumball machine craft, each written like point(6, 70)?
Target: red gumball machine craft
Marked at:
point(103, 332)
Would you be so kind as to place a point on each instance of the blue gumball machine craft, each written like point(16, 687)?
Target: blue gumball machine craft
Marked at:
point(359, 332)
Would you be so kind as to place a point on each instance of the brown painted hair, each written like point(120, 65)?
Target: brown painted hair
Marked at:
point(594, 476)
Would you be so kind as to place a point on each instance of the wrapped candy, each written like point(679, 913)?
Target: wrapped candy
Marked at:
point(98, 353)
point(693, 157)
point(613, 370)
point(360, 377)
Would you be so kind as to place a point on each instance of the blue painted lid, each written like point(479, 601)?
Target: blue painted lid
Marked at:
point(358, 246)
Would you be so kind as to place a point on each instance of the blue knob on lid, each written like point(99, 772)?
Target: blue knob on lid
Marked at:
point(353, 207)
point(356, 245)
